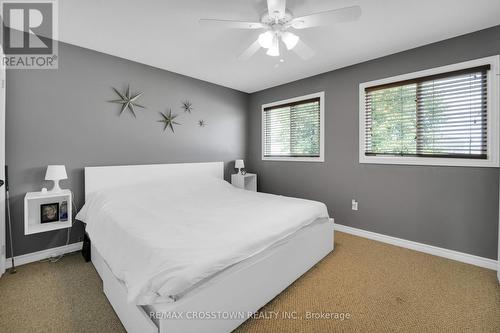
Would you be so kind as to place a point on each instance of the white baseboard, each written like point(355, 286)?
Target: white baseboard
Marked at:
point(44, 254)
point(429, 249)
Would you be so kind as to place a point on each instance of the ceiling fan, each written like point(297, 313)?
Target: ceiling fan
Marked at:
point(277, 22)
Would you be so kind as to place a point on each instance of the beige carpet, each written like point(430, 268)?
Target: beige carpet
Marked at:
point(381, 287)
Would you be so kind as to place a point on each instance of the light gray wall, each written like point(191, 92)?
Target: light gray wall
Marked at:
point(451, 207)
point(62, 117)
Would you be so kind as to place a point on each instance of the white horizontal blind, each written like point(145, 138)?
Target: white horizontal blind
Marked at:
point(442, 115)
point(292, 129)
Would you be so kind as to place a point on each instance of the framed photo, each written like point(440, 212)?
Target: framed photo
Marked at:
point(63, 211)
point(49, 212)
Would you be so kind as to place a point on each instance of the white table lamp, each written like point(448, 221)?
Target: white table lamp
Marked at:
point(56, 173)
point(239, 164)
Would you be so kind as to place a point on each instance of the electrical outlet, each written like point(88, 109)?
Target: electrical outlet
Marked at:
point(354, 205)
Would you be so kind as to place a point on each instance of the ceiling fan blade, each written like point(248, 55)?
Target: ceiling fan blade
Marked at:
point(250, 51)
point(303, 50)
point(327, 17)
point(276, 8)
point(229, 24)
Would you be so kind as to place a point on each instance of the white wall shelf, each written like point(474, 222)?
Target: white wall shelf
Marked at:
point(247, 181)
point(32, 213)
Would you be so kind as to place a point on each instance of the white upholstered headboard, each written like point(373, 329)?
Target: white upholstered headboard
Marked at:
point(98, 178)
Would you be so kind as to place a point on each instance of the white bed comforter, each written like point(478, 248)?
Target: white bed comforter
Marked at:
point(162, 239)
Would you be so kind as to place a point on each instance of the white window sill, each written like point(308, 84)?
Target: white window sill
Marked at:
point(294, 159)
point(457, 162)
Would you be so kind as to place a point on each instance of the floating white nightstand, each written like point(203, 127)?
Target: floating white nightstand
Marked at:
point(33, 202)
point(247, 181)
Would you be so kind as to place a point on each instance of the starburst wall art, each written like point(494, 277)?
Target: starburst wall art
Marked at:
point(168, 120)
point(187, 106)
point(127, 100)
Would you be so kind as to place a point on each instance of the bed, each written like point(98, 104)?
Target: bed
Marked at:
point(180, 250)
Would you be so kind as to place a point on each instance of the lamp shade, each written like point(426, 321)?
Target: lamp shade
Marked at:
point(56, 172)
point(239, 164)
point(289, 39)
point(266, 39)
point(274, 50)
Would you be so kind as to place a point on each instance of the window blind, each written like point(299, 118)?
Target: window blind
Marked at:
point(443, 115)
point(293, 129)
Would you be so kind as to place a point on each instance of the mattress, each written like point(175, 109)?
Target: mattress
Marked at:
point(164, 239)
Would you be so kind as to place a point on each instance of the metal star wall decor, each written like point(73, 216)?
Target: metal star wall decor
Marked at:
point(127, 100)
point(202, 123)
point(168, 120)
point(187, 106)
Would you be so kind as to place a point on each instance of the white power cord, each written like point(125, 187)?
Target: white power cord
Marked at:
point(73, 215)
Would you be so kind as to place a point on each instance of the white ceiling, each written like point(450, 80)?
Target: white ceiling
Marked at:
point(166, 34)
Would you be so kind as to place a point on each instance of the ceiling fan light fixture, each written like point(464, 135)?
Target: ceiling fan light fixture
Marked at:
point(275, 22)
point(289, 39)
point(274, 50)
point(266, 39)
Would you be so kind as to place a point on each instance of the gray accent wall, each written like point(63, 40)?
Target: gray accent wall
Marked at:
point(451, 207)
point(62, 117)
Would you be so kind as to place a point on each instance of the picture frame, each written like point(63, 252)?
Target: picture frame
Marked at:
point(63, 211)
point(49, 212)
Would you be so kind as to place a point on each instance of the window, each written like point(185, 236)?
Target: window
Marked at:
point(293, 130)
point(445, 116)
